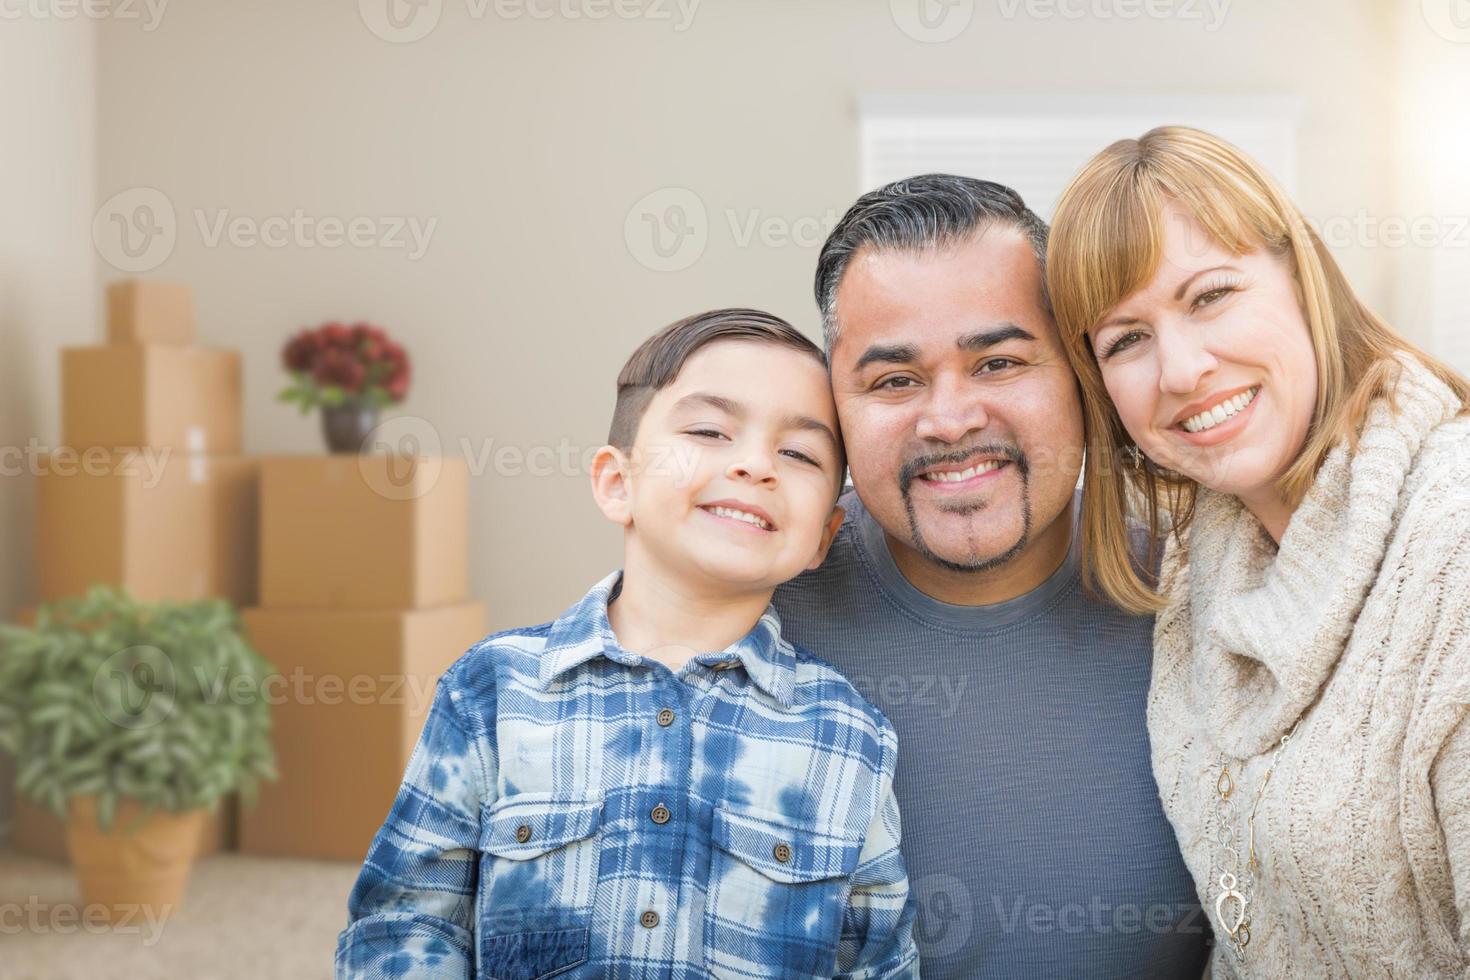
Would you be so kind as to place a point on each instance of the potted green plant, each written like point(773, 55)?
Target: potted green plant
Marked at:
point(131, 720)
point(351, 373)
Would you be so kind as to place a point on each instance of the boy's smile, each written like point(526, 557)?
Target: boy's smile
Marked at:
point(747, 516)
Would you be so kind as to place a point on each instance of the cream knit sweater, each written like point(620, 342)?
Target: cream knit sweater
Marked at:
point(1359, 627)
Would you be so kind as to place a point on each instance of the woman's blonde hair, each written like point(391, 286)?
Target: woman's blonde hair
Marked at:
point(1107, 242)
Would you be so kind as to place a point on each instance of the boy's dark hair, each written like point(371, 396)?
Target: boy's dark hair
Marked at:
point(916, 213)
point(660, 358)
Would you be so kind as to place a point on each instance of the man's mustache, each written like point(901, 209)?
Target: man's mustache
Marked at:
point(996, 450)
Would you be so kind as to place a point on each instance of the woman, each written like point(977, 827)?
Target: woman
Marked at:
point(1308, 471)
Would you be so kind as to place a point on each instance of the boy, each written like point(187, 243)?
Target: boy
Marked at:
point(600, 796)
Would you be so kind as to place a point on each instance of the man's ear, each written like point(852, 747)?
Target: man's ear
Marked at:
point(828, 533)
point(612, 485)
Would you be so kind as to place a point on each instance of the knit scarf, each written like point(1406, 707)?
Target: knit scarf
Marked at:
point(1269, 624)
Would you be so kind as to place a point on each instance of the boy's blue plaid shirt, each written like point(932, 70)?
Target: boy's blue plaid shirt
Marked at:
point(574, 810)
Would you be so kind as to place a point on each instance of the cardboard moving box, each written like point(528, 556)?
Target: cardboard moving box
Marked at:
point(350, 697)
point(126, 396)
point(144, 311)
point(363, 532)
point(163, 525)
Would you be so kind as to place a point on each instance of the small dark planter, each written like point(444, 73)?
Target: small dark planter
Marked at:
point(347, 426)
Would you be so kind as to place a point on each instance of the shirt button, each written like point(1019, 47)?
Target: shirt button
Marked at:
point(665, 718)
point(648, 919)
point(523, 834)
point(660, 814)
point(782, 853)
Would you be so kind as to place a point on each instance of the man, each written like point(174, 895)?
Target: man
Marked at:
point(1032, 828)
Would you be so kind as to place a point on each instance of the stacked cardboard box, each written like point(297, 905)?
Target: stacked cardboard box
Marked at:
point(364, 575)
point(149, 491)
point(164, 527)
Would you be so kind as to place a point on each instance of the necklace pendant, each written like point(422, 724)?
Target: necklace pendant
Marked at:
point(1225, 785)
point(1233, 922)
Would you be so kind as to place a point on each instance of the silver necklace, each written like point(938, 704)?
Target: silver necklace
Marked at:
point(1237, 882)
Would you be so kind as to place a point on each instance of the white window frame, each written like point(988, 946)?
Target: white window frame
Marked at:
point(903, 135)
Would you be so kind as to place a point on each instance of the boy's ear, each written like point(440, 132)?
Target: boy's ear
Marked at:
point(828, 533)
point(612, 486)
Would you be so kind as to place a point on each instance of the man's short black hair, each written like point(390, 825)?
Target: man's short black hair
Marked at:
point(918, 213)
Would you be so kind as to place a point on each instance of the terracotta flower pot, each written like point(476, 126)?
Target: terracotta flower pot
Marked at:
point(130, 867)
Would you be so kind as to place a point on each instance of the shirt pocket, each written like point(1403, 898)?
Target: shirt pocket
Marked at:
point(538, 880)
point(777, 893)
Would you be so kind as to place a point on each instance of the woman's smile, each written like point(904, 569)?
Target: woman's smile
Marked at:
point(1223, 421)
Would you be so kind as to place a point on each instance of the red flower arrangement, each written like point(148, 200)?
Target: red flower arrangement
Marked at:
point(340, 365)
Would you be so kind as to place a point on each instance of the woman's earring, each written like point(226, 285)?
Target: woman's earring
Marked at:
point(1136, 456)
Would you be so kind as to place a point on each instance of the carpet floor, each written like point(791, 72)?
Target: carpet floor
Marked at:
point(242, 917)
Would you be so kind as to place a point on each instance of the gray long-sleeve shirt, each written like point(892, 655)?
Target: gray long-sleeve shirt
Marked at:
point(1032, 829)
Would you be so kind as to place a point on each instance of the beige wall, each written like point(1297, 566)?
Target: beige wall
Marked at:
point(528, 142)
point(1432, 274)
point(48, 272)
